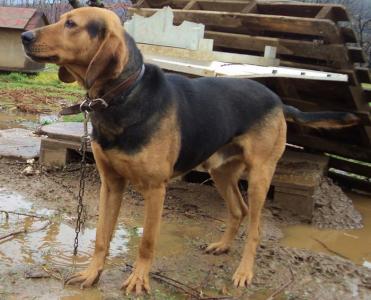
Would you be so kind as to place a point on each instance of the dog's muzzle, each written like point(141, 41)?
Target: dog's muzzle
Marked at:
point(28, 38)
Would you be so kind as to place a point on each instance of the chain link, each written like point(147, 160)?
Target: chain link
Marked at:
point(81, 209)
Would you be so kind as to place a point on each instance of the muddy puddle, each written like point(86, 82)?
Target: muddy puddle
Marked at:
point(52, 247)
point(354, 245)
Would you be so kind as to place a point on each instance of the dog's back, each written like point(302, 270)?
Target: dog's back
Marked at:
point(212, 111)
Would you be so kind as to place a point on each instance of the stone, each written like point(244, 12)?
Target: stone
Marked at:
point(19, 143)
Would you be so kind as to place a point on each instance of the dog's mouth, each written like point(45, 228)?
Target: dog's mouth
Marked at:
point(43, 59)
point(37, 53)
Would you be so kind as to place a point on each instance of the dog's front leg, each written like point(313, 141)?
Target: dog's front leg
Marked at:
point(111, 191)
point(153, 205)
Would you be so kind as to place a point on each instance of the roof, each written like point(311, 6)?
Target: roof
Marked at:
point(18, 17)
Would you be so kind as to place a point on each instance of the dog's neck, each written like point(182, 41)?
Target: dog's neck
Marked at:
point(135, 62)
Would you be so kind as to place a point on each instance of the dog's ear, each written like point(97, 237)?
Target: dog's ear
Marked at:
point(65, 76)
point(108, 62)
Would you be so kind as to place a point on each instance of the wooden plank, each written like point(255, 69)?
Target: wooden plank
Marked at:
point(284, 46)
point(363, 74)
point(350, 166)
point(306, 10)
point(193, 4)
point(325, 13)
point(356, 54)
point(285, 89)
point(250, 8)
point(330, 95)
point(350, 182)
point(216, 5)
point(325, 145)
point(207, 55)
point(359, 98)
point(348, 35)
point(183, 66)
point(250, 22)
point(302, 9)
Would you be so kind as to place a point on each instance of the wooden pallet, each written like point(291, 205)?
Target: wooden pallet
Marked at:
point(308, 36)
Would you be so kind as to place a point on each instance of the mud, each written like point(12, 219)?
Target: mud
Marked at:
point(333, 208)
point(32, 101)
point(31, 264)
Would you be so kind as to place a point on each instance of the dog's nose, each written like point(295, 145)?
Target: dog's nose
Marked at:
point(27, 37)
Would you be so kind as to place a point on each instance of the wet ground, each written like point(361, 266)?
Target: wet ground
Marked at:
point(327, 264)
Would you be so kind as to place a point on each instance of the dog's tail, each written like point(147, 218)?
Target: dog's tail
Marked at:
point(323, 119)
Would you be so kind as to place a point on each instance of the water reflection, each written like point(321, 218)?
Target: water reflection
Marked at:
point(352, 244)
point(54, 244)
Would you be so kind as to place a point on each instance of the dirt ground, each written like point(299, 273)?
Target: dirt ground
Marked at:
point(32, 264)
point(32, 101)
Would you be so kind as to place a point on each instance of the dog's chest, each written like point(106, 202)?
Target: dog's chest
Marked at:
point(152, 161)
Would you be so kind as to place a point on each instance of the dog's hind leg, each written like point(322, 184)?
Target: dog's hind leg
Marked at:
point(263, 148)
point(226, 179)
point(111, 191)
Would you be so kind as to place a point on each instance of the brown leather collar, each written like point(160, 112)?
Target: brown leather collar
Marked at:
point(103, 102)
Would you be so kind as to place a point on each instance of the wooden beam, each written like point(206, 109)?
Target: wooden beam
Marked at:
point(284, 46)
point(348, 35)
point(325, 145)
point(193, 4)
point(250, 8)
point(350, 166)
point(325, 13)
point(356, 54)
point(350, 182)
point(363, 74)
point(303, 9)
point(359, 98)
point(208, 56)
point(306, 10)
point(249, 22)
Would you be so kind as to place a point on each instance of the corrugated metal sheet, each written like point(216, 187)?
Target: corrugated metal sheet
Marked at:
point(15, 17)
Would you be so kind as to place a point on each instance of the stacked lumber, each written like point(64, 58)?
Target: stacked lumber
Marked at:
point(308, 36)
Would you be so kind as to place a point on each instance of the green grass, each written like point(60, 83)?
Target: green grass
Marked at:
point(45, 82)
point(38, 92)
point(73, 118)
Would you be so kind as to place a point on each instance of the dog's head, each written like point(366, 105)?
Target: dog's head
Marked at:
point(87, 43)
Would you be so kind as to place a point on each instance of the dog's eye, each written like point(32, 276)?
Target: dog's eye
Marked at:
point(69, 24)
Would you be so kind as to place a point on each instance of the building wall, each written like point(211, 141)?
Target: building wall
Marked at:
point(12, 56)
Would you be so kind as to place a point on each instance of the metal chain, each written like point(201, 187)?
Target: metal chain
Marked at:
point(81, 210)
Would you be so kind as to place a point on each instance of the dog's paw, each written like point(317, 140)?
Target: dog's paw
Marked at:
point(138, 280)
point(218, 248)
point(243, 276)
point(86, 278)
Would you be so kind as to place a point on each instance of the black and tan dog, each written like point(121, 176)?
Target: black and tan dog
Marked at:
point(159, 126)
